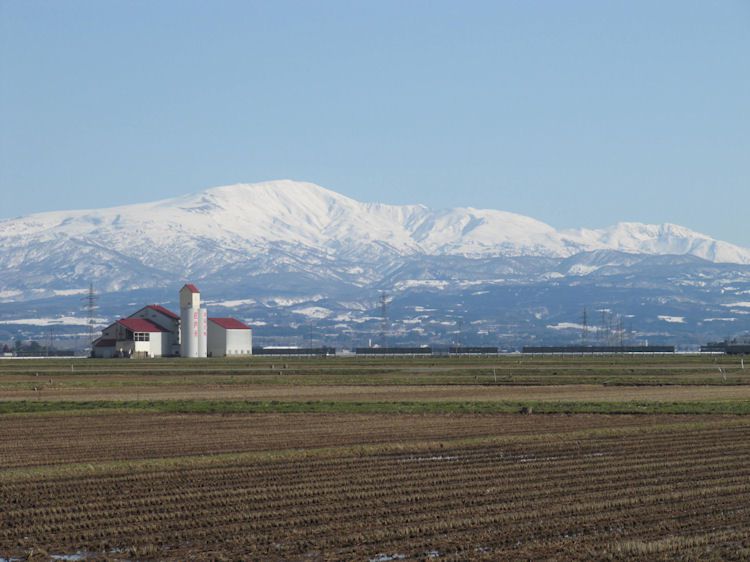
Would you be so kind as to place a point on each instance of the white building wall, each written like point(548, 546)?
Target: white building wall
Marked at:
point(156, 341)
point(190, 303)
point(171, 339)
point(229, 343)
point(142, 347)
point(239, 342)
point(202, 332)
point(189, 332)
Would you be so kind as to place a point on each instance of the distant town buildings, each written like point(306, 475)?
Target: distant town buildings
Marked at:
point(155, 331)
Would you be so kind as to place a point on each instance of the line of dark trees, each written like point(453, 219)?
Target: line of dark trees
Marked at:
point(33, 348)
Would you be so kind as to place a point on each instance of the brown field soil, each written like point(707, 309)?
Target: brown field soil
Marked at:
point(50, 439)
point(387, 393)
point(540, 488)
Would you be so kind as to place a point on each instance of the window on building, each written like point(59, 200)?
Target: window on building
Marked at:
point(141, 336)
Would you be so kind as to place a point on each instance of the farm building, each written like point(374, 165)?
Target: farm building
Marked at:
point(133, 337)
point(155, 331)
point(228, 336)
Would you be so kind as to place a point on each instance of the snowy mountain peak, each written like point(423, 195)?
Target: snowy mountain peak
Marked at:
point(300, 227)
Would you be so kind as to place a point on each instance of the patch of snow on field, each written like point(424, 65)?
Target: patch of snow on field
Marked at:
point(80, 555)
point(532, 458)
point(432, 458)
point(388, 557)
point(672, 319)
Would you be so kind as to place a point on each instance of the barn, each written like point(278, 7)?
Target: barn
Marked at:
point(133, 337)
point(156, 331)
point(229, 337)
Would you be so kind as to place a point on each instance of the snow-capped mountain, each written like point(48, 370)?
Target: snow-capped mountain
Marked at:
point(295, 240)
point(198, 234)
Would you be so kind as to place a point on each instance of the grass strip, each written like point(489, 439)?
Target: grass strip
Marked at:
point(736, 407)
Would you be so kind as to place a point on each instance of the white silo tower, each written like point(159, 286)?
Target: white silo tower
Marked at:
point(193, 321)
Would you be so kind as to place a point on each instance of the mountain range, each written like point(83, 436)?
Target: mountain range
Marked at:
point(285, 255)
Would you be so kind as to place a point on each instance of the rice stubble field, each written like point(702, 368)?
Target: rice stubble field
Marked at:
point(473, 471)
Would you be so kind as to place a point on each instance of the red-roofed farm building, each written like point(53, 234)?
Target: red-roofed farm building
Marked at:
point(134, 337)
point(227, 336)
point(155, 331)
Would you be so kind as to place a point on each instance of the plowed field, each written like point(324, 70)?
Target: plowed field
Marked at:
point(654, 491)
point(376, 460)
point(28, 441)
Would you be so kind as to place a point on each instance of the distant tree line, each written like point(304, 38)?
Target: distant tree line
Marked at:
point(33, 348)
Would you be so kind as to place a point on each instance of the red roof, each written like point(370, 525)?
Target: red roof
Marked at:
point(192, 288)
point(164, 311)
point(140, 325)
point(230, 323)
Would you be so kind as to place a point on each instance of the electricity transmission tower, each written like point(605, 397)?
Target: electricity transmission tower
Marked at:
point(585, 327)
point(90, 307)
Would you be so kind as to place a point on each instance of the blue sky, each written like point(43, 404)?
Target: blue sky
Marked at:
point(576, 113)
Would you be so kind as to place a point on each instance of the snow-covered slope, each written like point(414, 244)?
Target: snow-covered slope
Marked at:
point(296, 227)
point(661, 239)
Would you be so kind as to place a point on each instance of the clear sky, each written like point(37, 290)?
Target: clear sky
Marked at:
point(578, 113)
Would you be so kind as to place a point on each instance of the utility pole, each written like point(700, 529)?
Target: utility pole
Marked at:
point(384, 315)
point(50, 339)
